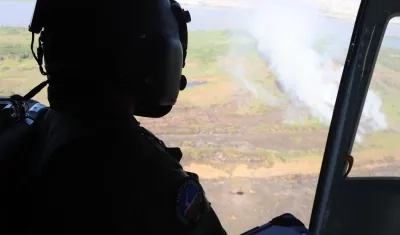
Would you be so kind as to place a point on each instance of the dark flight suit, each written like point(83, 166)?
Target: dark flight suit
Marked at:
point(114, 177)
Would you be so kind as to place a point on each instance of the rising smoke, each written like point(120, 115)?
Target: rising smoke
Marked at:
point(287, 33)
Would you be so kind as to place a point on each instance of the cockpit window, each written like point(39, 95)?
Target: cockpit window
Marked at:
point(262, 82)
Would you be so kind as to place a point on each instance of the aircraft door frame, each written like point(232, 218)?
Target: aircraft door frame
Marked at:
point(369, 29)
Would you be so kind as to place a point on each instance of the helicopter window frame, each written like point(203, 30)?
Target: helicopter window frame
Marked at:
point(369, 29)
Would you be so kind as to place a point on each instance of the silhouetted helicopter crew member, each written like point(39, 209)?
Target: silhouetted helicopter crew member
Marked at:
point(100, 172)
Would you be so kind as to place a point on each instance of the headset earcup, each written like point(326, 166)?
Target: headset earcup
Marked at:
point(162, 53)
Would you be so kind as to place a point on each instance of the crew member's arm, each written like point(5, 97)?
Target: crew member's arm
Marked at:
point(178, 201)
point(209, 224)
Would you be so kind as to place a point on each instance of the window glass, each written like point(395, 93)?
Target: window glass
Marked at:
point(262, 82)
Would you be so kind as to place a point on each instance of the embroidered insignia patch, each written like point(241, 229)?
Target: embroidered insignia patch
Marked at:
point(190, 202)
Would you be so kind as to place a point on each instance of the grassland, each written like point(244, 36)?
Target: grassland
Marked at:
point(222, 109)
point(233, 139)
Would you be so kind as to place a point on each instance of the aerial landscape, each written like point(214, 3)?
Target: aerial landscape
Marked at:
point(254, 118)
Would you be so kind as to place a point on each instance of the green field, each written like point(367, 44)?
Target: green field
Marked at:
point(223, 107)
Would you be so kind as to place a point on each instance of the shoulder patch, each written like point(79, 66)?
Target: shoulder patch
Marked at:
point(190, 202)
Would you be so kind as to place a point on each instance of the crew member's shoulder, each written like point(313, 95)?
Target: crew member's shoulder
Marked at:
point(57, 130)
point(122, 139)
point(155, 151)
point(128, 139)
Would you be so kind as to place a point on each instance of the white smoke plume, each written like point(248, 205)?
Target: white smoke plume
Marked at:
point(286, 32)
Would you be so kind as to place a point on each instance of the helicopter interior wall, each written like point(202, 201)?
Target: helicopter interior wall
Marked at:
point(367, 206)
